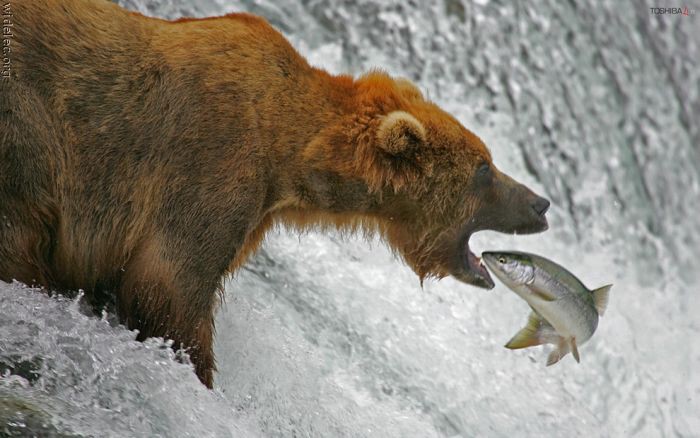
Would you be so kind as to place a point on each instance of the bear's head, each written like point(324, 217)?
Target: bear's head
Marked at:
point(403, 166)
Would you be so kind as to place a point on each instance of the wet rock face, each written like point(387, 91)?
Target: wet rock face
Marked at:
point(16, 365)
point(20, 418)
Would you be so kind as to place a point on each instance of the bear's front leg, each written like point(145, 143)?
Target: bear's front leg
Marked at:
point(166, 299)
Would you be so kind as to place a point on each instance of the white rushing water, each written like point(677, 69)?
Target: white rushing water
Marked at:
point(593, 104)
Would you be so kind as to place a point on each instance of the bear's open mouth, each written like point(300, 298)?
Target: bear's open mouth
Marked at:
point(474, 266)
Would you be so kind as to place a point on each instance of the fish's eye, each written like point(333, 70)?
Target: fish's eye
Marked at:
point(502, 260)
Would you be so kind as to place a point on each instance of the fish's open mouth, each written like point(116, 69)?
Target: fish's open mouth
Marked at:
point(475, 271)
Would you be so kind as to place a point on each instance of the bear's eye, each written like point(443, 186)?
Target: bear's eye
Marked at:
point(483, 172)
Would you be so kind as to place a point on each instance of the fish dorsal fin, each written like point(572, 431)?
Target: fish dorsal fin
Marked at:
point(534, 333)
point(600, 298)
point(574, 349)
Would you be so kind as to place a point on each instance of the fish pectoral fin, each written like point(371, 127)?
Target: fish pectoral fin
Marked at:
point(574, 349)
point(534, 333)
point(543, 294)
point(559, 352)
point(600, 298)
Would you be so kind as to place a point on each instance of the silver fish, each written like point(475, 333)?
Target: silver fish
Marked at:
point(564, 311)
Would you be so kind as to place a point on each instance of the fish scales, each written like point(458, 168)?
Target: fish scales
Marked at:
point(565, 311)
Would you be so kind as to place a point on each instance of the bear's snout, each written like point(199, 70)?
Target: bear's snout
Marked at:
point(513, 208)
point(540, 205)
point(527, 212)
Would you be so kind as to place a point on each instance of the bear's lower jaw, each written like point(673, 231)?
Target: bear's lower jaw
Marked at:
point(470, 269)
point(470, 278)
point(478, 267)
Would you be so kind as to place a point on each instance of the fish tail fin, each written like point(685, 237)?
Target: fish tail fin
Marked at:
point(600, 298)
point(559, 352)
point(534, 333)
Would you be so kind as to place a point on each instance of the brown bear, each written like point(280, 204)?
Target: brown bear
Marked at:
point(143, 160)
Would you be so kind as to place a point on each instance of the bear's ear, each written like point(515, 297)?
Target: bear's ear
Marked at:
point(408, 89)
point(395, 158)
point(400, 134)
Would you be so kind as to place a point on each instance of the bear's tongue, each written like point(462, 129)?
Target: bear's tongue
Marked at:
point(476, 266)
